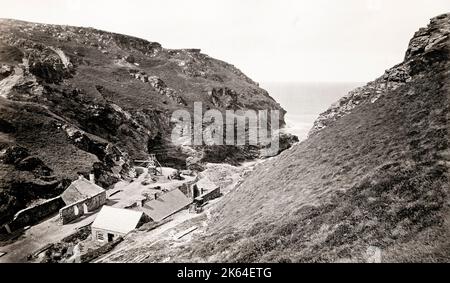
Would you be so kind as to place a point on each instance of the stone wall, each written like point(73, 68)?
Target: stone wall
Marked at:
point(34, 214)
point(186, 188)
point(209, 195)
point(76, 210)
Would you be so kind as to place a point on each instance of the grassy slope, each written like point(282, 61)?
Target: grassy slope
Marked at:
point(384, 185)
point(377, 177)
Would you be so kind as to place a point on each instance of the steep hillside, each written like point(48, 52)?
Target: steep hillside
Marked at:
point(430, 40)
point(370, 183)
point(75, 100)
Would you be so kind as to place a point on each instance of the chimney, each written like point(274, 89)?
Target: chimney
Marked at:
point(140, 203)
point(92, 178)
point(156, 195)
point(195, 191)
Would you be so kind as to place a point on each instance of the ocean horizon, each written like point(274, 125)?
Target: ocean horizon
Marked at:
point(304, 101)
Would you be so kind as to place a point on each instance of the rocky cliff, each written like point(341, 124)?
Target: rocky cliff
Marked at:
point(427, 42)
point(370, 184)
point(78, 100)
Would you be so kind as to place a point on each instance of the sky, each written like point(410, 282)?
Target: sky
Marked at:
point(269, 40)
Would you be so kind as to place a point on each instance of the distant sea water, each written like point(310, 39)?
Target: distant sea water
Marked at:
point(305, 101)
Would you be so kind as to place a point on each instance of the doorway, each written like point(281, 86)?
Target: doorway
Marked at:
point(85, 209)
point(110, 237)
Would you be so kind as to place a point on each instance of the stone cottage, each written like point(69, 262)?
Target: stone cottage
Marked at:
point(81, 197)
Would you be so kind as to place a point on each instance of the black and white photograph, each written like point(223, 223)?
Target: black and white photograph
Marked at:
point(224, 132)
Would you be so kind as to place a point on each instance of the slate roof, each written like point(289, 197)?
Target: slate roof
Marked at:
point(79, 190)
point(166, 205)
point(117, 220)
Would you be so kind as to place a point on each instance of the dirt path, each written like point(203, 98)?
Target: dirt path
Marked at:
point(40, 235)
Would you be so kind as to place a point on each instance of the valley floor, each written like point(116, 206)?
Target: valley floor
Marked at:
point(35, 239)
point(182, 226)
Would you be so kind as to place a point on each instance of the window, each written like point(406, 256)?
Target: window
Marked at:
point(76, 211)
point(100, 236)
point(85, 208)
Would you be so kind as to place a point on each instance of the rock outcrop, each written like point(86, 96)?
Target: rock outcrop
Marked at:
point(425, 48)
point(83, 100)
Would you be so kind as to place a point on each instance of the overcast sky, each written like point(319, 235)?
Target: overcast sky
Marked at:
point(270, 40)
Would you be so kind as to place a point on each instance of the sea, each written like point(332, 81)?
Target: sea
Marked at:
point(305, 101)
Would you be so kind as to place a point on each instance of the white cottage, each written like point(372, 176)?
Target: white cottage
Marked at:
point(112, 223)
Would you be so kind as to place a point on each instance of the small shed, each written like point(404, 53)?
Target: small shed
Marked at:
point(205, 190)
point(112, 223)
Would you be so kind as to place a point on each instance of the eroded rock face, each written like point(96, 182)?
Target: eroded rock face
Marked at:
point(5, 71)
point(14, 154)
point(224, 97)
point(22, 160)
point(159, 85)
point(286, 141)
point(425, 49)
point(436, 35)
point(27, 178)
point(84, 100)
point(113, 164)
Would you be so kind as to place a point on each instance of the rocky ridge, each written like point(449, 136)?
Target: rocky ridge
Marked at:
point(82, 100)
point(423, 49)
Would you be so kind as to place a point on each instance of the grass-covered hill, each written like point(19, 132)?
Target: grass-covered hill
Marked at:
point(75, 100)
point(370, 183)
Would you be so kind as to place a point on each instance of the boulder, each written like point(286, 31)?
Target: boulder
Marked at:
point(15, 154)
point(5, 71)
point(49, 68)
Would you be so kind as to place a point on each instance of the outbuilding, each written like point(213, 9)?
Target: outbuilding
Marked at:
point(205, 190)
point(165, 205)
point(112, 222)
